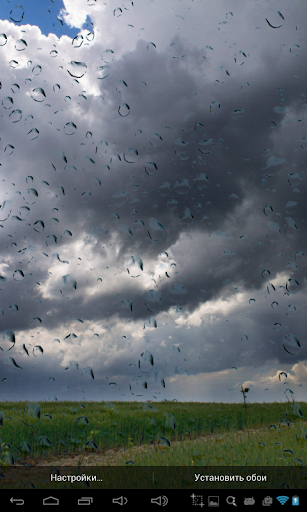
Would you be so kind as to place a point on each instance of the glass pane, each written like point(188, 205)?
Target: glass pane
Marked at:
point(152, 221)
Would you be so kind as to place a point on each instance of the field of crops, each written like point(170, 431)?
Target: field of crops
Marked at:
point(166, 433)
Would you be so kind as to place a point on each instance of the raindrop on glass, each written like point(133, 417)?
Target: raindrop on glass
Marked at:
point(7, 102)
point(292, 285)
point(17, 13)
point(70, 128)
point(3, 39)
point(20, 45)
point(124, 110)
point(38, 94)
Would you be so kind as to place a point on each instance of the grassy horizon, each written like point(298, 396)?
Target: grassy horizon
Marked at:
point(45, 430)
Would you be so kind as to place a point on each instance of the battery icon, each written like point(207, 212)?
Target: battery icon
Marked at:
point(295, 500)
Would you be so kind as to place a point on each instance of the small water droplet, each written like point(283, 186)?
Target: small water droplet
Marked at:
point(291, 310)
point(265, 273)
point(268, 210)
point(20, 45)
point(37, 69)
point(299, 256)
point(8, 340)
point(9, 149)
point(3, 39)
point(124, 110)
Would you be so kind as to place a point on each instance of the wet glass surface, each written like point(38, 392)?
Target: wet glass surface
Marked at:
point(152, 203)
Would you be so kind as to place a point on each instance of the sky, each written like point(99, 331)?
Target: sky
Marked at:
point(152, 212)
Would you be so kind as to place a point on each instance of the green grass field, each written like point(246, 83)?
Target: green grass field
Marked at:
point(170, 433)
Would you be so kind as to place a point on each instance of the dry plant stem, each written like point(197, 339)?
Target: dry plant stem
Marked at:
point(244, 397)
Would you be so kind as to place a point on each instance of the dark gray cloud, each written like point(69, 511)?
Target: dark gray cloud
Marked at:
point(152, 182)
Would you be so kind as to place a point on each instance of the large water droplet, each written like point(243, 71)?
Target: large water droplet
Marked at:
point(9, 149)
point(15, 116)
point(107, 56)
point(177, 289)
point(134, 265)
point(117, 12)
point(151, 47)
point(20, 45)
point(237, 114)
point(33, 134)
point(172, 204)
point(291, 341)
point(76, 69)
point(206, 146)
point(291, 310)
point(182, 186)
point(131, 155)
point(18, 275)
point(294, 179)
point(77, 41)
point(201, 181)
point(156, 225)
point(7, 102)
point(70, 128)
point(37, 70)
point(292, 285)
point(38, 94)
point(187, 218)
point(151, 168)
point(17, 13)
point(299, 256)
point(70, 281)
point(8, 342)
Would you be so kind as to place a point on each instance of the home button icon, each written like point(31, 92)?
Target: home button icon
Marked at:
point(51, 501)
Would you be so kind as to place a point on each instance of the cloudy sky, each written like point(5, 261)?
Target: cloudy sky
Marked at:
point(152, 212)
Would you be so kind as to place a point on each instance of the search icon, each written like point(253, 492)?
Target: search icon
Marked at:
point(231, 500)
